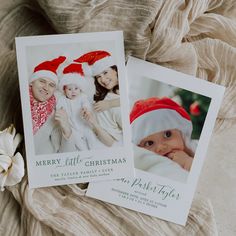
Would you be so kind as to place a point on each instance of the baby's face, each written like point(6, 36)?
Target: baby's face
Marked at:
point(163, 143)
point(72, 91)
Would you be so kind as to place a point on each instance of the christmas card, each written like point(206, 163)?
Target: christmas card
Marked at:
point(172, 117)
point(75, 110)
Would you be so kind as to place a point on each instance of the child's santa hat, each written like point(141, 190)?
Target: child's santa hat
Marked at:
point(47, 69)
point(74, 74)
point(155, 114)
point(98, 60)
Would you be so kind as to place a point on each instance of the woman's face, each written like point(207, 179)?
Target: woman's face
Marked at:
point(43, 89)
point(108, 78)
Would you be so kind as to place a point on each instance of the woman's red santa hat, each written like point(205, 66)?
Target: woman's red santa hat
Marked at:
point(98, 60)
point(47, 69)
point(74, 74)
point(155, 114)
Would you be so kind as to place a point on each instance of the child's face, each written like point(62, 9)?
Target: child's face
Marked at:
point(163, 143)
point(72, 91)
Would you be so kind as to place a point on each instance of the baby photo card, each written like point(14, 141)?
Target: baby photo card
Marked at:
point(75, 111)
point(172, 117)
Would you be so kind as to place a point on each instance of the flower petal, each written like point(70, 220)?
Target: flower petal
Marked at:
point(4, 131)
point(3, 178)
point(17, 170)
point(16, 141)
point(5, 162)
point(6, 143)
point(11, 130)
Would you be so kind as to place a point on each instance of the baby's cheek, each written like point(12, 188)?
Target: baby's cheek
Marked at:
point(146, 147)
point(178, 146)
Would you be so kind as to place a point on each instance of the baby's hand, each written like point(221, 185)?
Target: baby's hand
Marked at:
point(182, 158)
point(101, 106)
point(62, 118)
point(88, 116)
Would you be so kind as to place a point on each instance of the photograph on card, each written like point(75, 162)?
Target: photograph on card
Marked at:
point(166, 123)
point(74, 101)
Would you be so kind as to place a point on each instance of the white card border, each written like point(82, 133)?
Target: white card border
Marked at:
point(139, 68)
point(125, 150)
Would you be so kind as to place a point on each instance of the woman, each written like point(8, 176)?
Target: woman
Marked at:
point(107, 123)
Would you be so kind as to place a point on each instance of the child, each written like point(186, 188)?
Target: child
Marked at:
point(163, 127)
point(78, 91)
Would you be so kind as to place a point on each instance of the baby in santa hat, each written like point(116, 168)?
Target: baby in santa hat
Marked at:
point(78, 91)
point(162, 126)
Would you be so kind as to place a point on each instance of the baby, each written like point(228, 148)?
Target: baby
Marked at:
point(163, 127)
point(77, 90)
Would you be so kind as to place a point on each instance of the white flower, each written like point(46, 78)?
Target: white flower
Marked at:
point(11, 164)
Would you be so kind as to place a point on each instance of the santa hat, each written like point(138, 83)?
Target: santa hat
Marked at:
point(159, 114)
point(47, 69)
point(74, 74)
point(98, 60)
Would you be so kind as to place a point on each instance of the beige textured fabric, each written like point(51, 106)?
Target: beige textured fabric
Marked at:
point(195, 37)
point(65, 211)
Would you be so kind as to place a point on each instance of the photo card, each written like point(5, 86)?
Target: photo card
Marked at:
point(75, 112)
point(172, 117)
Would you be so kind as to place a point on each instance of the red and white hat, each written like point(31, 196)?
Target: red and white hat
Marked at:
point(47, 69)
point(98, 60)
point(159, 114)
point(74, 74)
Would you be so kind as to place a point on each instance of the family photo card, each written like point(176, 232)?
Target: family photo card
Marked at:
point(172, 117)
point(75, 111)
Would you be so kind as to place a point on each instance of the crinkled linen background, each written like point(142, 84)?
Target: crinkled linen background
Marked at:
point(191, 36)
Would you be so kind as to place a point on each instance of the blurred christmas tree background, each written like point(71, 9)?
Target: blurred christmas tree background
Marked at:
point(196, 105)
